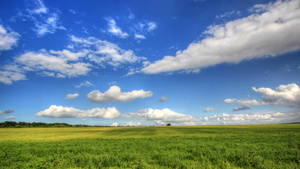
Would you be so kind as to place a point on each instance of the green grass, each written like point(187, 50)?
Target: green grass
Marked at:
point(243, 146)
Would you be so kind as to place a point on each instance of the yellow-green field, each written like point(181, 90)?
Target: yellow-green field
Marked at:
point(243, 146)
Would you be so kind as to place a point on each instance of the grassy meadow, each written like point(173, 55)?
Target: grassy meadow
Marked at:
point(237, 146)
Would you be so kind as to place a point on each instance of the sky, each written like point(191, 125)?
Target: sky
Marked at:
point(142, 63)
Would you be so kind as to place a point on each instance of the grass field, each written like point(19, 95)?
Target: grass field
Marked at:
point(244, 146)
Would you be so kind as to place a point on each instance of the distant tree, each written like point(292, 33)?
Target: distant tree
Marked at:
point(169, 124)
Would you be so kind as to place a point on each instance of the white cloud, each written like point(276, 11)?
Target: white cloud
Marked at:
point(115, 30)
point(58, 61)
point(72, 96)
point(67, 63)
point(160, 116)
point(115, 124)
point(142, 28)
point(70, 112)
point(49, 24)
point(114, 94)
point(84, 84)
point(151, 26)
point(44, 73)
point(104, 52)
point(163, 99)
point(284, 95)
point(10, 117)
point(8, 39)
point(133, 124)
point(245, 102)
point(209, 109)
point(139, 36)
point(39, 8)
point(252, 118)
point(7, 77)
point(228, 14)
point(271, 33)
point(44, 20)
point(7, 111)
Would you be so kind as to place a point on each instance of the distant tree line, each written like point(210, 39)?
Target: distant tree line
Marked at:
point(13, 124)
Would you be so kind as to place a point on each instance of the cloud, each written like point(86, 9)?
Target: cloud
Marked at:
point(114, 94)
point(284, 95)
point(72, 96)
point(160, 116)
point(139, 36)
point(62, 62)
point(104, 52)
point(241, 108)
point(245, 102)
point(7, 77)
point(7, 111)
point(228, 14)
point(209, 109)
point(40, 7)
point(70, 112)
point(8, 39)
point(115, 124)
point(133, 124)
point(85, 54)
point(115, 30)
point(84, 84)
point(252, 118)
point(151, 26)
point(142, 28)
point(10, 117)
point(268, 34)
point(44, 21)
point(163, 99)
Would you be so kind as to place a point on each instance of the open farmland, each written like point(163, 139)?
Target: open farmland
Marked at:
point(244, 146)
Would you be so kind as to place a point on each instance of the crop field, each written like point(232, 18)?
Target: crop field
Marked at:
point(243, 146)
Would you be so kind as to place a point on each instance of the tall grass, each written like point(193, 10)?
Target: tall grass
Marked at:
point(251, 146)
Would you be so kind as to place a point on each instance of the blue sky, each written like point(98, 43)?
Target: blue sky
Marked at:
point(150, 63)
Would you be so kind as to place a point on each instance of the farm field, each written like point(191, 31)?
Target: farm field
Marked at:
point(236, 146)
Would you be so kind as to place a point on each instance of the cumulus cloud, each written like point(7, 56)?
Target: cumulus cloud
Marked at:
point(8, 39)
point(84, 84)
point(267, 34)
point(284, 95)
point(209, 109)
point(70, 112)
point(7, 111)
point(114, 94)
point(115, 30)
point(163, 99)
point(10, 117)
point(72, 96)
